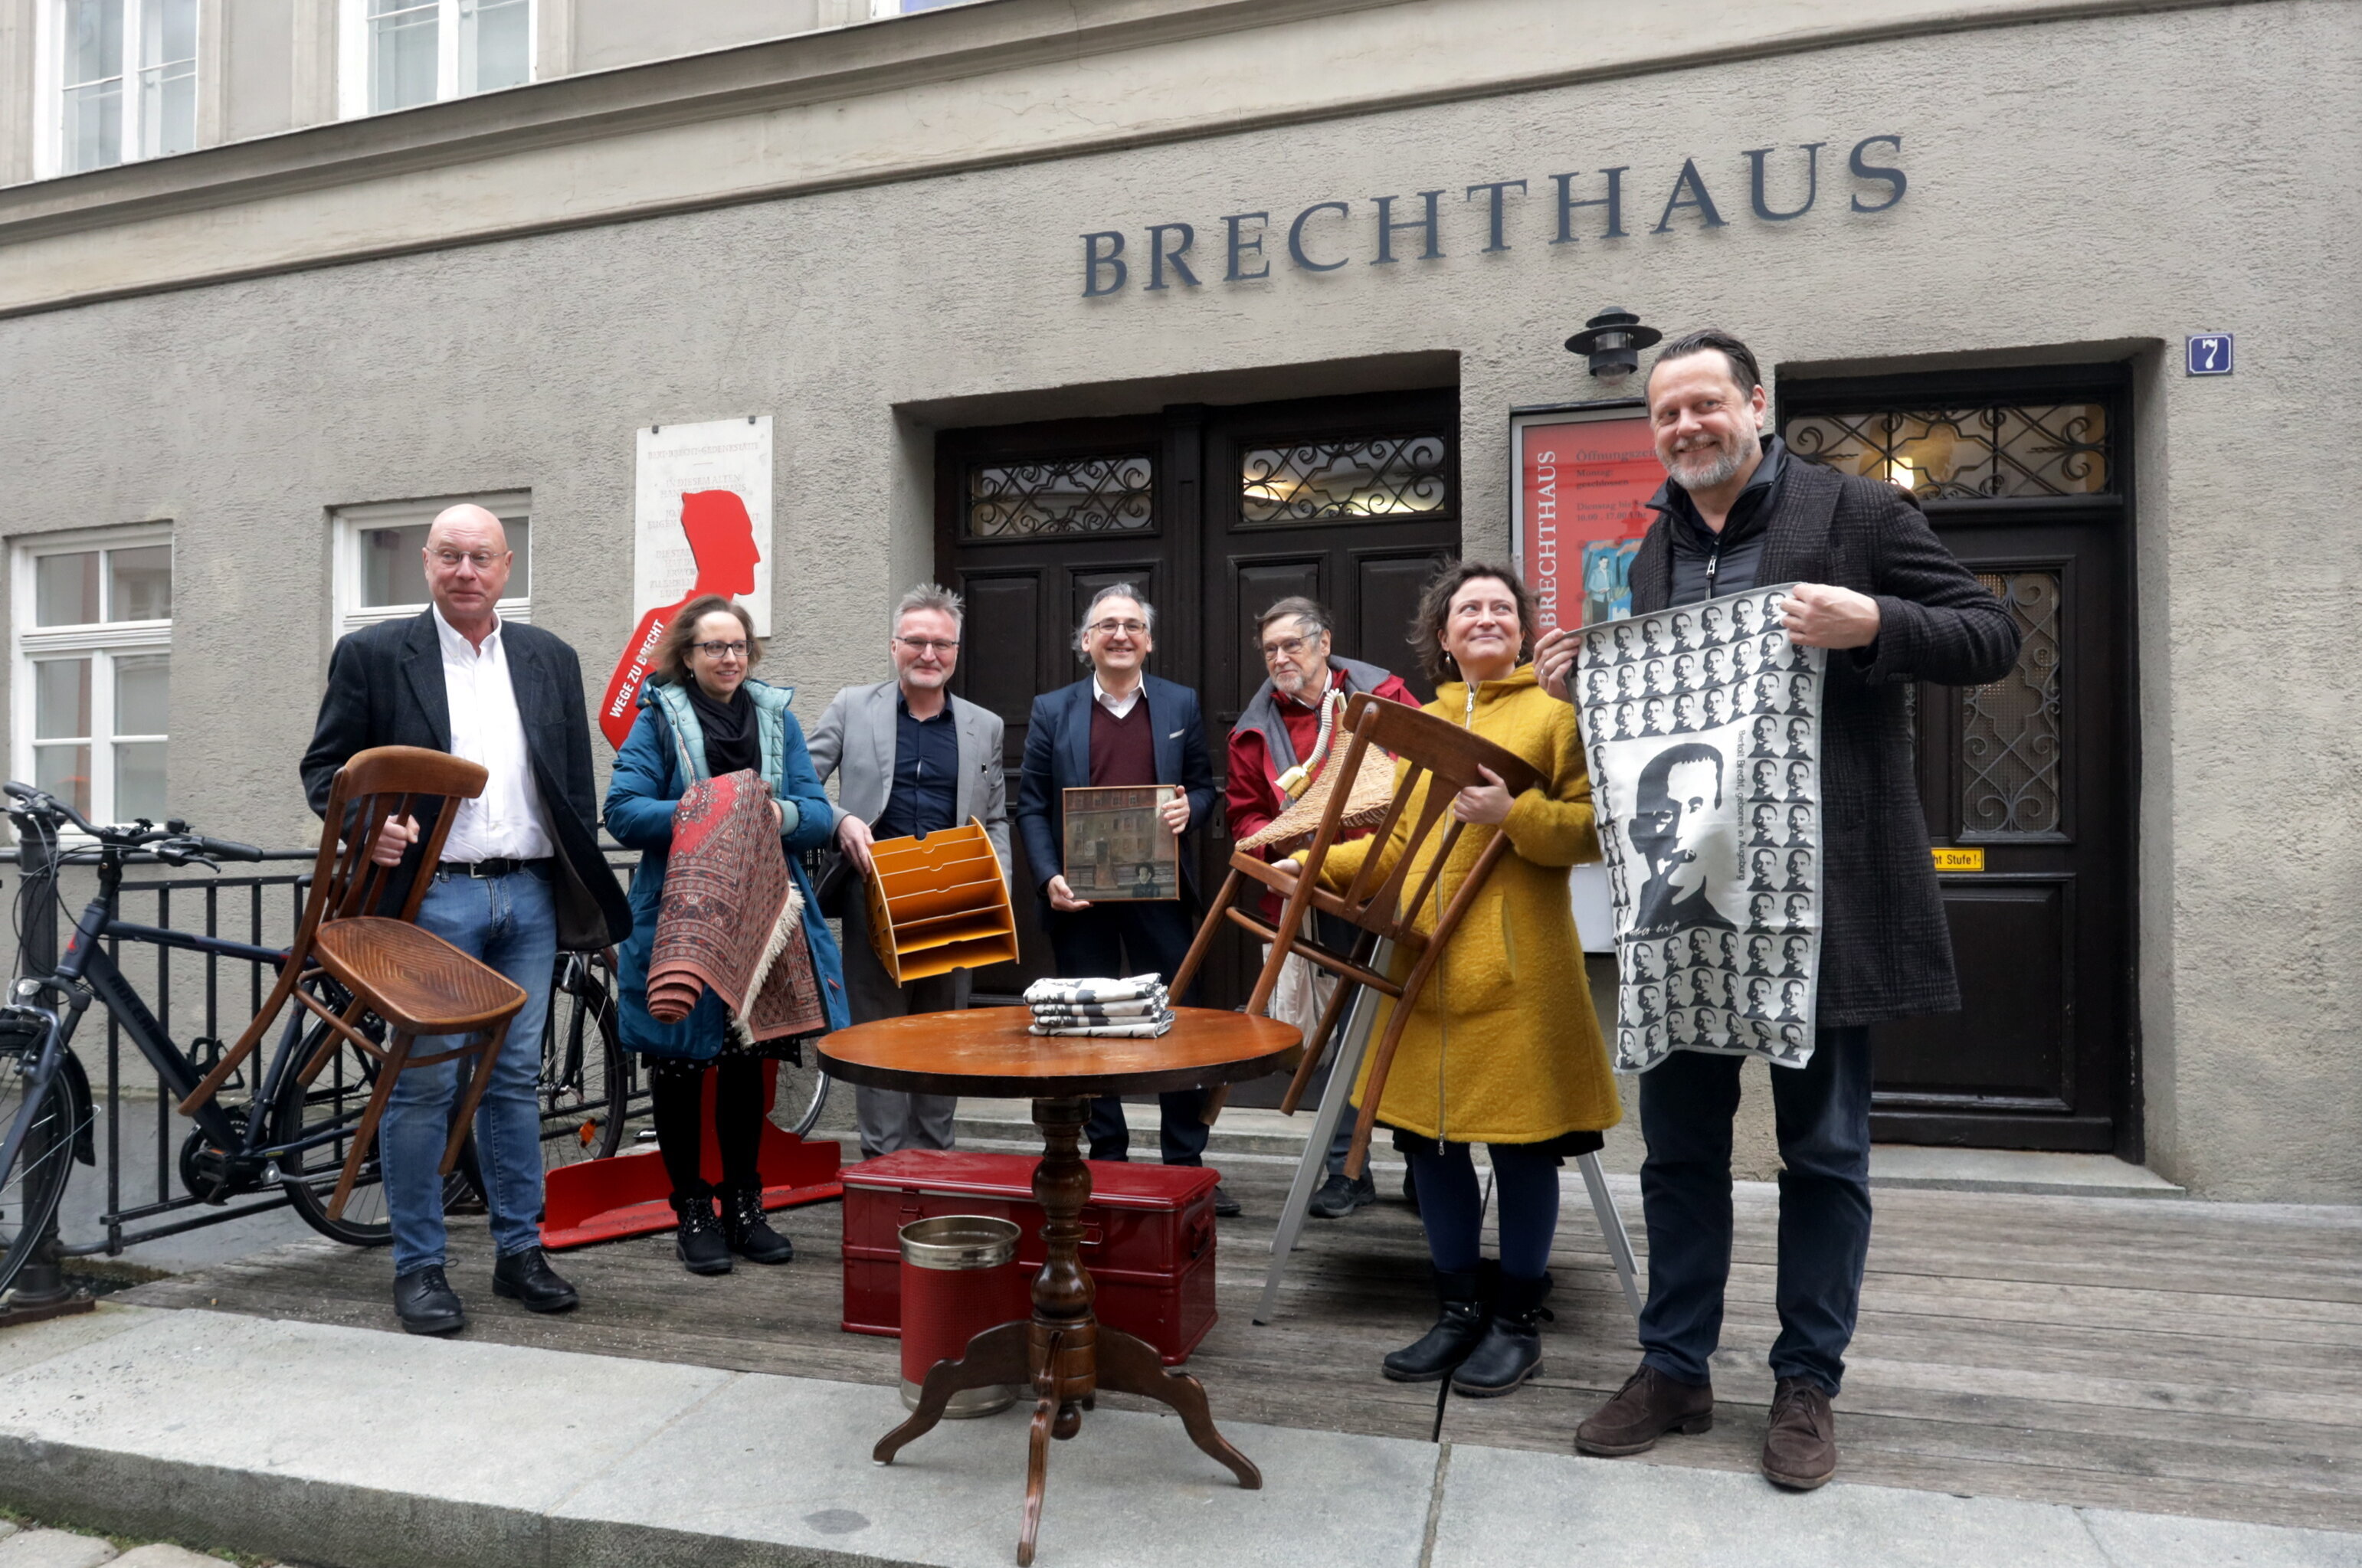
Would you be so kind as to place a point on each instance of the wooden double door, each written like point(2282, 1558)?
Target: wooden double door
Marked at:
point(1213, 514)
point(2027, 782)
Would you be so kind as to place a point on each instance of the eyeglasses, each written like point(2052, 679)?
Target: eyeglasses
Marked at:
point(1110, 628)
point(1287, 648)
point(929, 646)
point(721, 650)
point(449, 558)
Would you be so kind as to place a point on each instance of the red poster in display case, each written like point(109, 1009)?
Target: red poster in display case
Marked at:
point(1584, 477)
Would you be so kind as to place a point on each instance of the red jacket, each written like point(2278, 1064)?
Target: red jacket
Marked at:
point(1252, 790)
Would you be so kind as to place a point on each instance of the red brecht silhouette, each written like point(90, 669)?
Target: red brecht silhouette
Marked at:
point(722, 539)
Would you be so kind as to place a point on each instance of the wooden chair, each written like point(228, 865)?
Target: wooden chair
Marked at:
point(1379, 909)
point(413, 980)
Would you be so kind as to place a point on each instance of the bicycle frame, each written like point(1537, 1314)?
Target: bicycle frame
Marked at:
point(88, 972)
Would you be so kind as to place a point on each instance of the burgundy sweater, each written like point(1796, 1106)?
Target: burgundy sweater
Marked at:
point(1123, 751)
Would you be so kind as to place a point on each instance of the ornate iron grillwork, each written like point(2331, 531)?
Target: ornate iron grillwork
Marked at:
point(1108, 494)
point(2011, 732)
point(1968, 454)
point(1336, 482)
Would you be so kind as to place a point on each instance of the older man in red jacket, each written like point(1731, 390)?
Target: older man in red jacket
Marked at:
point(1279, 732)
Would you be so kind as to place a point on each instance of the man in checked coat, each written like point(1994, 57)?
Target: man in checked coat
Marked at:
point(1892, 606)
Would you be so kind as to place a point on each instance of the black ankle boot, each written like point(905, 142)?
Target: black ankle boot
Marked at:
point(1511, 1349)
point(701, 1245)
point(750, 1237)
point(1456, 1333)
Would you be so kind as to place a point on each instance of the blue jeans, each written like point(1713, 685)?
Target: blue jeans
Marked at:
point(1822, 1113)
point(510, 924)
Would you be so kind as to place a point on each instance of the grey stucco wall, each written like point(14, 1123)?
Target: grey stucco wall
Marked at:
point(2104, 183)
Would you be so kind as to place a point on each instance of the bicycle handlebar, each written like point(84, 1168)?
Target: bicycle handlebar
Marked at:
point(225, 848)
point(175, 845)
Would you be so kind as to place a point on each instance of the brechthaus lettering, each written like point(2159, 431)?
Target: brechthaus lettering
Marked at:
point(1321, 238)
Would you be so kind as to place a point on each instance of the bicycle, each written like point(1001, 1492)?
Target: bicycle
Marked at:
point(293, 1132)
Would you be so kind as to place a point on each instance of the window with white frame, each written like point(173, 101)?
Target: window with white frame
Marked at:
point(392, 54)
point(118, 82)
point(93, 614)
point(380, 562)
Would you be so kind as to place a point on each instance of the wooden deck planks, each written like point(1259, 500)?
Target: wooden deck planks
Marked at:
point(2151, 1354)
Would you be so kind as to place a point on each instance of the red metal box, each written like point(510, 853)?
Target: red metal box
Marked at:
point(1148, 1236)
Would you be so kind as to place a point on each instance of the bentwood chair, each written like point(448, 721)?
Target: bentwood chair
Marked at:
point(412, 980)
point(1380, 907)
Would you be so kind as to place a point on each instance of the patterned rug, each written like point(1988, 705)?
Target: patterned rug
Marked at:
point(730, 919)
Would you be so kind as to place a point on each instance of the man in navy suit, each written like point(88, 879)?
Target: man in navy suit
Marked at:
point(1118, 725)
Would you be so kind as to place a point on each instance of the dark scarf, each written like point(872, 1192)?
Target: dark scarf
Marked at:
point(731, 741)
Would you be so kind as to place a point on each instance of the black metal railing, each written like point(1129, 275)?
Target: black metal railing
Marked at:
point(204, 1001)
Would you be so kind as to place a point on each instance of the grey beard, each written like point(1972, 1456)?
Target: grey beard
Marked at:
point(1721, 468)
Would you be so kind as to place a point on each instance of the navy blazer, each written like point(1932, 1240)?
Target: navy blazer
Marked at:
point(1058, 758)
point(385, 687)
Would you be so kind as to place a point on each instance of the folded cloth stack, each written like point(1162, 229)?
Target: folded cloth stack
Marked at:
point(1136, 1007)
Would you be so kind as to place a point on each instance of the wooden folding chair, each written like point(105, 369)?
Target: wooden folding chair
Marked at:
point(413, 980)
point(1448, 758)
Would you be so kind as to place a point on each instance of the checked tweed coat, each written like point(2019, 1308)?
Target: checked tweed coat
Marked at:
point(1886, 951)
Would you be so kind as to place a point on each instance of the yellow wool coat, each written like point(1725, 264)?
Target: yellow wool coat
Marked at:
point(1503, 1045)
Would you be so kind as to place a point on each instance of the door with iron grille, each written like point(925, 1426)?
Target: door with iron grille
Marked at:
point(1214, 514)
point(2027, 782)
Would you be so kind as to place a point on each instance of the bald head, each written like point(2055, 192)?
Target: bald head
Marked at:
point(468, 564)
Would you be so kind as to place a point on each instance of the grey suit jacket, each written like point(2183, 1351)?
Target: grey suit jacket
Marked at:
point(854, 741)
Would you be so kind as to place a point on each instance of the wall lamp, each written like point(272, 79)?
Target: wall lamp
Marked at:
point(1613, 341)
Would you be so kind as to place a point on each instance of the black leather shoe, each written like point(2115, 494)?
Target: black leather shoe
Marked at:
point(703, 1245)
point(425, 1302)
point(751, 1237)
point(526, 1276)
point(1462, 1324)
point(1340, 1195)
point(1511, 1349)
point(1224, 1203)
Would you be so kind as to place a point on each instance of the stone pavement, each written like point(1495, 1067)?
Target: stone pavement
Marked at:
point(365, 1450)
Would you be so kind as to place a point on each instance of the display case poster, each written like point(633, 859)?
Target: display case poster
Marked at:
point(1584, 481)
point(700, 523)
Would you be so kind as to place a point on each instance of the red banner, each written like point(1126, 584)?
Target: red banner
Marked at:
point(1582, 487)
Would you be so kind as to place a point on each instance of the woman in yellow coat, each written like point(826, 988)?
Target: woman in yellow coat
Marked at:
point(1503, 1047)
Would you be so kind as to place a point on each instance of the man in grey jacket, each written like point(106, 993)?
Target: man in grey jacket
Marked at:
point(909, 758)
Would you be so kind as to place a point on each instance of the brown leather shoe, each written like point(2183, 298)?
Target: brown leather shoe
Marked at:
point(1800, 1451)
point(1648, 1405)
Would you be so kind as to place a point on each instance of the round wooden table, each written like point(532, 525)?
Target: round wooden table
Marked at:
point(1061, 1352)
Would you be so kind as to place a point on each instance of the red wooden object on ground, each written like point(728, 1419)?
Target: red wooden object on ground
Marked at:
point(606, 1200)
point(1148, 1236)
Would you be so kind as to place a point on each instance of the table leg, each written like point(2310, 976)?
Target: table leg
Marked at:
point(1132, 1365)
point(1057, 1350)
point(996, 1358)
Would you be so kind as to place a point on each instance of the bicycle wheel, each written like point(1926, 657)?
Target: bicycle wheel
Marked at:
point(802, 1092)
point(589, 1088)
point(330, 1109)
point(36, 1179)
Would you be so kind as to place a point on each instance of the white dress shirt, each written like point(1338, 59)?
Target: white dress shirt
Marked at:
point(506, 821)
point(1119, 706)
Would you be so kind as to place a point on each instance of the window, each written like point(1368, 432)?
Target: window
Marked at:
point(397, 53)
point(1970, 452)
point(93, 614)
point(124, 76)
point(381, 570)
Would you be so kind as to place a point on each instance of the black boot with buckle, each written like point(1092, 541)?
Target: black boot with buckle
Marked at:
point(750, 1236)
point(703, 1246)
point(1511, 1349)
point(1462, 1324)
